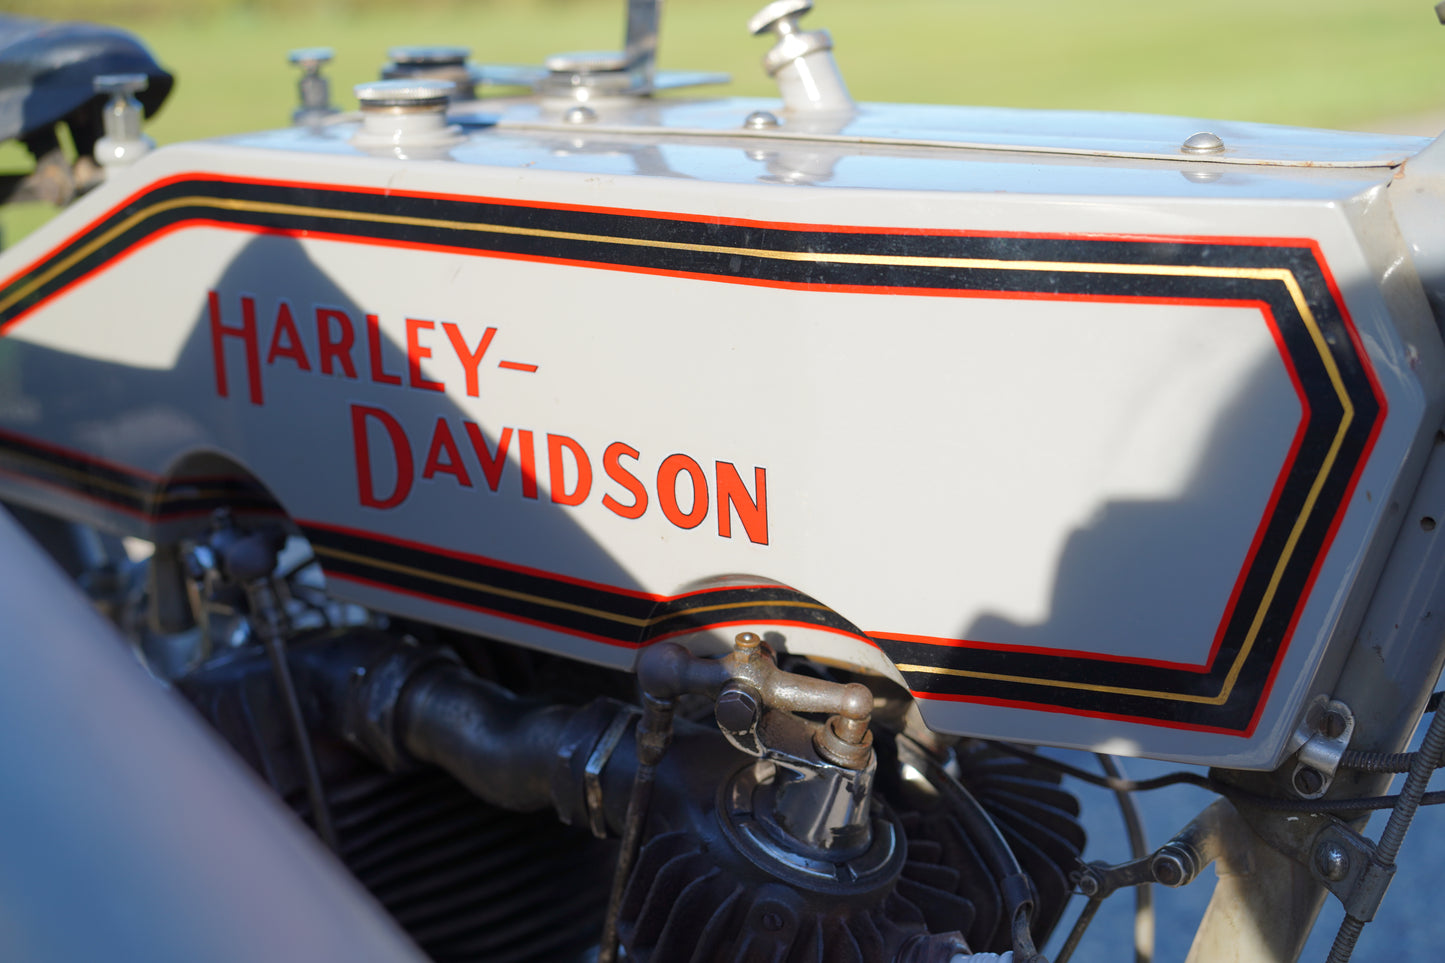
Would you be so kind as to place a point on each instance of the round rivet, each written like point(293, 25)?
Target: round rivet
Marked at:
point(1332, 862)
point(1203, 143)
point(580, 115)
point(762, 120)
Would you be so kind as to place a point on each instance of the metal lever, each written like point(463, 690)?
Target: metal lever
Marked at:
point(801, 61)
point(643, 19)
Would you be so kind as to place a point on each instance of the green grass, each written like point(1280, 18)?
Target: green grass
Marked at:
point(1326, 63)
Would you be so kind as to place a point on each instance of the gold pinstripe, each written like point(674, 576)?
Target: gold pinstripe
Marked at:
point(1279, 275)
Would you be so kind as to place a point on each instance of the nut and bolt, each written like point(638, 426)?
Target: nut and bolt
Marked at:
point(1088, 884)
point(1168, 870)
point(1332, 862)
point(1308, 782)
point(1334, 723)
point(737, 708)
point(1176, 865)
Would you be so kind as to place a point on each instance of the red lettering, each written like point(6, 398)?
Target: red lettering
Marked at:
point(529, 463)
point(471, 360)
point(612, 463)
point(732, 495)
point(338, 350)
point(373, 341)
point(667, 473)
point(556, 467)
point(491, 464)
point(442, 443)
point(247, 333)
point(401, 454)
point(416, 353)
point(293, 349)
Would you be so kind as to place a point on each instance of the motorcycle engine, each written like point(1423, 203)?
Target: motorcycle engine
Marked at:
point(768, 808)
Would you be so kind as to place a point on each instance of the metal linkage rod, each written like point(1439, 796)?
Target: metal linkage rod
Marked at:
point(1138, 848)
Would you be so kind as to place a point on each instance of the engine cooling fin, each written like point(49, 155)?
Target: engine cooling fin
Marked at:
point(686, 907)
point(694, 897)
point(468, 881)
point(1036, 817)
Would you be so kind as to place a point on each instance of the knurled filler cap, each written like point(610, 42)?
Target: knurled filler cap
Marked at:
point(432, 62)
point(428, 56)
point(417, 94)
point(586, 62)
point(408, 115)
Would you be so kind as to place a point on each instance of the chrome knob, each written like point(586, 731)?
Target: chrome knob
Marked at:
point(314, 89)
point(780, 15)
point(123, 142)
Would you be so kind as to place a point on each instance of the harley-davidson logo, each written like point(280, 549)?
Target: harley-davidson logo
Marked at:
point(387, 462)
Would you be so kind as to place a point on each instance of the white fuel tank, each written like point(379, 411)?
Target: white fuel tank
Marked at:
point(1084, 440)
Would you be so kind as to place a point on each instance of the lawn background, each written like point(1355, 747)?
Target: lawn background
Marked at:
point(1329, 63)
point(1376, 64)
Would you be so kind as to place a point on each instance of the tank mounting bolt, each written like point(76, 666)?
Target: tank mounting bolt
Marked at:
point(1308, 782)
point(1203, 143)
point(1332, 862)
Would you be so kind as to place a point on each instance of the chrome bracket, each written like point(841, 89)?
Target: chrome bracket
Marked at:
point(1325, 735)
